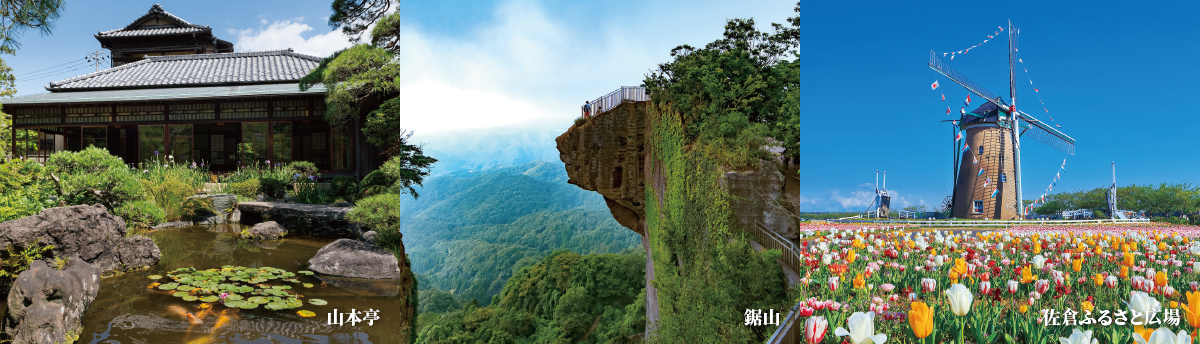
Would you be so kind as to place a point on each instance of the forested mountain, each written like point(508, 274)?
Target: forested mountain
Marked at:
point(472, 230)
point(564, 298)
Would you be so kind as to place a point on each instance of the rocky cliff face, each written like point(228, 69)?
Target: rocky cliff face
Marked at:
point(607, 154)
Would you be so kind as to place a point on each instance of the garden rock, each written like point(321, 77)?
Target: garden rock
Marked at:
point(89, 232)
point(224, 205)
point(311, 219)
point(173, 224)
point(269, 230)
point(370, 236)
point(352, 258)
point(46, 305)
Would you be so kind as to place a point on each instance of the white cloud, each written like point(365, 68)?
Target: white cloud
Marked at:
point(283, 34)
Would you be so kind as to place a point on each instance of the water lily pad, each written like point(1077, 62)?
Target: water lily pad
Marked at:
point(185, 280)
point(245, 289)
point(232, 304)
point(308, 285)
point(306, 313)
point(155, 277)
point(209, 299)
point(282, 287)
point(168, 286)
point(306, 272)
point(234, 297)
point(180, 294)
point(190, 298)
point(258, 299)
point(276, 306)
point(185, 287)
point(318, 302)
point(247, 305)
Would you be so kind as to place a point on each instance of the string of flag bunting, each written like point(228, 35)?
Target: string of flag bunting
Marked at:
point(1035, 89)
point(1042, 200)
point(967, 50)
point(966, 103)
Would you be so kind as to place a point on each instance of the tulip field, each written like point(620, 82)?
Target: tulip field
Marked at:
point(1109, 283)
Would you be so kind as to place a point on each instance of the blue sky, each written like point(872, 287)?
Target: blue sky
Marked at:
point(1118, 76)
point(485, 79)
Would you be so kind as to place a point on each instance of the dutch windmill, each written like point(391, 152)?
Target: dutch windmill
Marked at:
point(982, 189)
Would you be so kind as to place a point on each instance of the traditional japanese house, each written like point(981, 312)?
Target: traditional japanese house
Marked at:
point(175, 90)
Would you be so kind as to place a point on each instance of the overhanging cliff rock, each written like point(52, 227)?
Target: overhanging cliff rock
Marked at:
point(606, 154)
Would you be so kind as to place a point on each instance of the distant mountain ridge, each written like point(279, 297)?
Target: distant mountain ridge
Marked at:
point(471, 230)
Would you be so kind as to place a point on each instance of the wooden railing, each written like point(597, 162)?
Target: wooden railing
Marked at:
point(614, 98)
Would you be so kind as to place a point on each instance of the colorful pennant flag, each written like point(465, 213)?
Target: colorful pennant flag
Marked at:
point(935, 85)
point(943, 97)
point(966, 148)
point(980, 172)
point(974, 160)
point(947, 110)
point(987, 181)
point(958, 136)
point(995, 191)
point(968, 102)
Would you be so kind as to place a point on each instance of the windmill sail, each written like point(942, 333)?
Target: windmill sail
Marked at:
point(1038, 130)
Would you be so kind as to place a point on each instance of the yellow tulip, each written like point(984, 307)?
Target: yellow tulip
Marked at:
point(1174, 304)
point(850, 257)
point(921, 319)
point(1037, 247)
point(953, 277)
point(1128, 259)
point(1077, 265)
point(1099, 279)
point(1160, 279)
point(1087, 306)
point(1024, 309)
point(859, 282)
point(1124, 272)
point(1192, 312)
point(1027, 274)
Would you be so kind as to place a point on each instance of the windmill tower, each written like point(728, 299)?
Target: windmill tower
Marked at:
point(988, 181)
point(880, 207)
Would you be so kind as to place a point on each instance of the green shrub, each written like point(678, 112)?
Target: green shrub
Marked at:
point(311, 193)
point(93, 176)
point(23, 190)
point(140, 214)
point(303, 170)
point(381, 213)
point(376, 183)
point(171, 195)
point(272, 187)
point(345, 187)
point(246, 189)
point(14, 261)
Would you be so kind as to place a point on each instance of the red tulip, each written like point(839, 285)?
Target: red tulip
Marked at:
point(1012, 286)
point(1042, 286)
point(833, 284)
point(928, 285)
point(985, 287)
point(1195, 285)
point(806, 311)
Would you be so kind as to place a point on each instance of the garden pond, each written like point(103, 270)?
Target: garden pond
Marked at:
point(266, 290)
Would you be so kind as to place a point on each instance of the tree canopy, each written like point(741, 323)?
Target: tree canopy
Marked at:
point(736, 90)
point(1166, 199)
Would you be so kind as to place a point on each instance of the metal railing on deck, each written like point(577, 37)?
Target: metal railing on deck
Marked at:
point(785, 333)
point(611, 100)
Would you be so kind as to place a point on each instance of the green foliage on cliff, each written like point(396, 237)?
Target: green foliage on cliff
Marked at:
point(564, 298)
point(705, 270)
point(735, 91)
point(712, 110)
point(471, 231)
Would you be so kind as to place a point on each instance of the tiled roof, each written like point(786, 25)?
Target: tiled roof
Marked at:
point(155, 11)
point(259, 67)
point(163, 94)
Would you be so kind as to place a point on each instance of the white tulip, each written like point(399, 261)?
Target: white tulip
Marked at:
point(1079, 337)
point(1164, 336)
point(862, 329)
point(826, 259)
point(960, 299)
point(1145, 304)
point(1039, 262)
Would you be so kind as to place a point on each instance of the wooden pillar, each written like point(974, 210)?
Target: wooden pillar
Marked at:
point(270, 131)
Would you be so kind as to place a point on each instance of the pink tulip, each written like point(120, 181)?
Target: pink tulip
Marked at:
point(887, 287)
point(814, 329)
